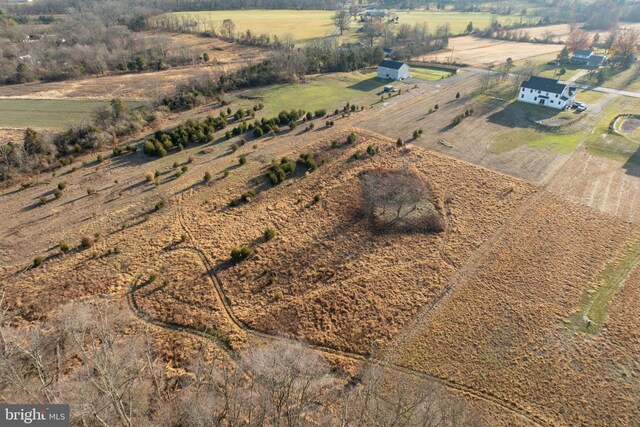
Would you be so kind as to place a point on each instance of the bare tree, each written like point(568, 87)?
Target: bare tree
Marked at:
point(387, 397)
point(578, 39)
point(371, 31)
point(227, 29)
point(399, 198)
point(341, 19)
point(626, 44)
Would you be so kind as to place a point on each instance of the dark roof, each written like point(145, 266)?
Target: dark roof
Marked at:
point(543, 84)
point(582, 52)
point(395, 65)
point(596, 60)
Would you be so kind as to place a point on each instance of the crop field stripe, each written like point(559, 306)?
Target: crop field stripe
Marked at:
point(596, 299)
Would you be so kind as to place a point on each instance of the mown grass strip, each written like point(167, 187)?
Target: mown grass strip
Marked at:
point(595, 301)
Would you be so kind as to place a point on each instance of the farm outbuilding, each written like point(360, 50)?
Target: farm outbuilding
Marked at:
point(393, 70)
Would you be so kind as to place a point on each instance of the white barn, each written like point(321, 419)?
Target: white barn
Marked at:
point(393, 70)
point(547, 92)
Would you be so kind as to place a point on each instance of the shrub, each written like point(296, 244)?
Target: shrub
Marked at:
point(258, 132)
point(225, 174)
point(458, 95)
point(250, 194)
point(149, 177)
point(117, 151)
point(42, 201)
point(178, 174)
point(241, 253)
point(242, 160)
point(86, 242)
point(227, 135)
point(156, 174)
point(57, 193)
point(100, 159)
point(371, 150)
point(90, 191)
point(416, 134)
point(64, 247)
point(37, 261)
point(351, 138)
point(309, 162)
point(435, 107)
point(309, 116)
point(207, 177)
point(175, 165)
point(292, 125)
point(321, 113)
point(316, 198)
point(62, 185)
point(311, 126)
point(190, 159)
point(159, 205)
point(334, 144)
point(269, 234)
point(399, 142)
point(356, 155)
point(185, 168)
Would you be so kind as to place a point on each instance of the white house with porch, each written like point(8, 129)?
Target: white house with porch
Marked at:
point(393, 70)
point(547, 92)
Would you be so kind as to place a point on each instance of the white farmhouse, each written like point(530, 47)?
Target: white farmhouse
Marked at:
point(547, 92)
point(393, 70)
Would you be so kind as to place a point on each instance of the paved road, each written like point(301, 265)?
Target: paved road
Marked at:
point(608, 90)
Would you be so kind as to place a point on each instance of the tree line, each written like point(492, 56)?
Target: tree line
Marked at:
point(94, 356)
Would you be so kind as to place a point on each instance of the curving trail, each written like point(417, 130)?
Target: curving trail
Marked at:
point(459, 388)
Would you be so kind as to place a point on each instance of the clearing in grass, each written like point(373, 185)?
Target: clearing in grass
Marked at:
point(48, 113)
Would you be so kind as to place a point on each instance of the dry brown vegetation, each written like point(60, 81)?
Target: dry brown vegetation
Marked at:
point(503, 327)
point(480, 307)
point(488, 52)
point(223, 56)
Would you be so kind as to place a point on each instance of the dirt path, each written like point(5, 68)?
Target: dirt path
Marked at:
point(462, 389)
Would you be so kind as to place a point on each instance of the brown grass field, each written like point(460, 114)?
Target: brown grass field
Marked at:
point(224, 56)
point(484, 307)
point(502, 329)
point(483, 52)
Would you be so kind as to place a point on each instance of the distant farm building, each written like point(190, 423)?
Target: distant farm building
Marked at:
point(376, 13)
point(547, 92)
point(393, 70)
point(586, 58)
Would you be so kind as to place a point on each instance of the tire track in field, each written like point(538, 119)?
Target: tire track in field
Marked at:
point(458, 387)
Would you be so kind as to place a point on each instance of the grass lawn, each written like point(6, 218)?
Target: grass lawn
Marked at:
point(457, 20)
point(326, 91)
point(47, 113)
point(300, 24)
point(552, 72)
point(555, 142)
point(425, 73)
point(594, 303)
point(602, 143)
point(589, 96)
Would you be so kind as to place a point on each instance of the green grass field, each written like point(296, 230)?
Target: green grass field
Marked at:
point(425, 73)
point(551, 72)
point(593, 305)
point(300, 24)
point(47, 113)
point(305, 25)
point(555, 142)
point(329, 91)
point(457, 20)
point(602, 143)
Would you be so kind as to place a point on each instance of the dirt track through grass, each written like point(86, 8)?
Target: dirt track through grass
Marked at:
point(452, 385)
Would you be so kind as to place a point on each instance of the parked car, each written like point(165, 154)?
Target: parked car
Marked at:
point(581, 108)
point(390, 88)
